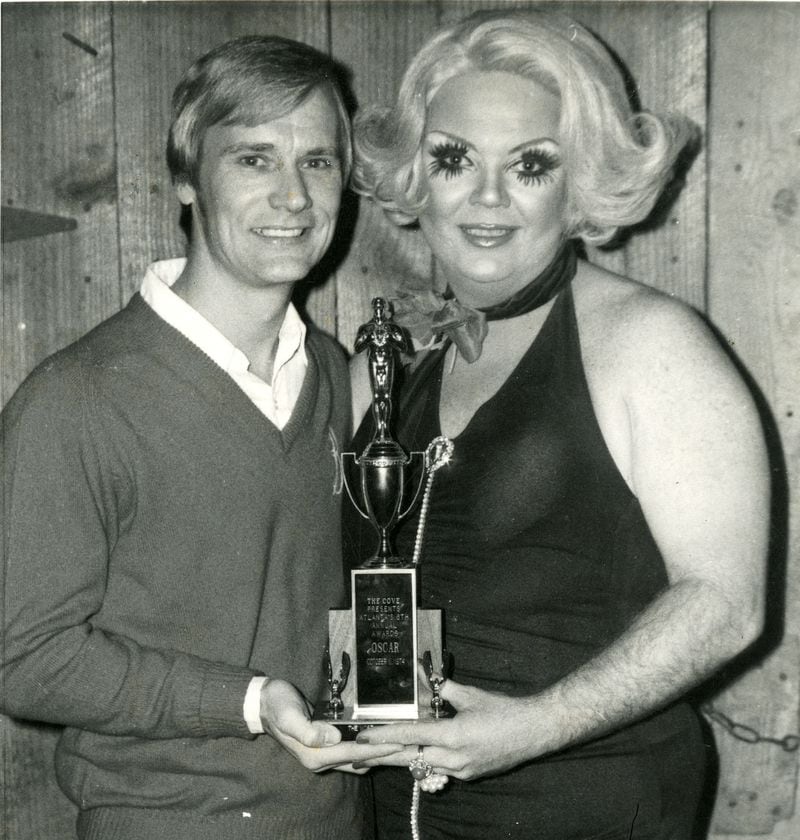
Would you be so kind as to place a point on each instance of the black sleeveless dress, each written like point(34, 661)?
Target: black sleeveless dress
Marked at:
point(539, 556)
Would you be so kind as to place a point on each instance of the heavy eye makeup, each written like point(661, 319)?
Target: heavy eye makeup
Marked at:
point(448, 158)
point(534, 166)
point(531, 166)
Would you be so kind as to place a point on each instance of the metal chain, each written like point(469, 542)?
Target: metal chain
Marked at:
point(742, 732)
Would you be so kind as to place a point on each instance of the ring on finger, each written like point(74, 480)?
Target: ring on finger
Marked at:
point(420, 769)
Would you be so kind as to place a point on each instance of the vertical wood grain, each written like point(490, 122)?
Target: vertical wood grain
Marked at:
point(154, 44)
point(754, 298)
point(758, 781)
point(377, 40)
point(58, 157)
point(663, 48)
point(84, 136)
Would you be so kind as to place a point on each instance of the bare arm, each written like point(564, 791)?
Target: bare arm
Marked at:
point(697, 464)
point(695, 459)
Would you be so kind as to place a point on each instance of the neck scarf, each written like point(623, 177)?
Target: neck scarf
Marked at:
point(431, 317)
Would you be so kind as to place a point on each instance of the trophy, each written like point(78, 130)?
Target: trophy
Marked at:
point(374, 647)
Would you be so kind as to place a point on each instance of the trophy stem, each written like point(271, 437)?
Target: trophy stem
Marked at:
point(385, 557)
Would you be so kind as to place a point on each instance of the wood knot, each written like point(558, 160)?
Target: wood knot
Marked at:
point(785, 204)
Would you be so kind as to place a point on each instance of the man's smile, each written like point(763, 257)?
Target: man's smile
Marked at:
point(279, 232)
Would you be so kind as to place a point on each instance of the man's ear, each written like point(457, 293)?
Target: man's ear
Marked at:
point(185, 192)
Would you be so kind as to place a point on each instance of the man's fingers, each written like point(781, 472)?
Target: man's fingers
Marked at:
point(349, 768)
point(319, 734)
point(342, 755)
point(399, 733)
point(407, 734)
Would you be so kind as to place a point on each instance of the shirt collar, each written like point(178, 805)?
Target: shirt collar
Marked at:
point(156, 292)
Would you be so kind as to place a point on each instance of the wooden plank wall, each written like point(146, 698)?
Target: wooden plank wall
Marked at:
point(754, 299)
point(84, 127)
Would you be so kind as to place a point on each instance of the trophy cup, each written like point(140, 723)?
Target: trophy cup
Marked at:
point(377, 641)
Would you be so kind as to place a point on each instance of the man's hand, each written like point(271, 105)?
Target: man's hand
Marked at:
point(318, 746)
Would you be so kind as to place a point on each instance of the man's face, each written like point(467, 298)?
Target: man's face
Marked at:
point(267, 196)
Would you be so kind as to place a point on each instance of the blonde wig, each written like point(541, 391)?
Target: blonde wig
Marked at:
point(616, 161)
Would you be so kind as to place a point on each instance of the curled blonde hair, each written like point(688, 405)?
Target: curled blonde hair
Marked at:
point(616, 161)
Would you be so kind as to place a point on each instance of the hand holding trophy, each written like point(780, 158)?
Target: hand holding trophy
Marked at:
point(379, 639)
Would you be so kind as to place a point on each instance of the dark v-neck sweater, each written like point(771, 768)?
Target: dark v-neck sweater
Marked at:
point(164, 542)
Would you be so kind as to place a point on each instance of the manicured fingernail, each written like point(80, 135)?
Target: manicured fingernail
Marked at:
point(363, 739)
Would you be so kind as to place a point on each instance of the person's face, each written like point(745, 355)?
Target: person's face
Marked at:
point(267, 196)
point(492, 167)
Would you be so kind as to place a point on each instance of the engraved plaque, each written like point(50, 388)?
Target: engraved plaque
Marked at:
point(385, 615)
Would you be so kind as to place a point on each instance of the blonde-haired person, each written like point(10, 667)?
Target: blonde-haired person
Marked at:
point(616, 162)
point(598, 541)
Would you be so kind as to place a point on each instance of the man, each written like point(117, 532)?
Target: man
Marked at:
point(171, 503)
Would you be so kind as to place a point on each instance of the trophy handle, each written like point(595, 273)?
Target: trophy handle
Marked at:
point(423, 474)
point(438, 453)
point(356, 505)
point(440, 708)
point(335, 705)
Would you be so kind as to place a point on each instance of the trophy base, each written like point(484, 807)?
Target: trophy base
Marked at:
point(350, 724)
point(349, 718)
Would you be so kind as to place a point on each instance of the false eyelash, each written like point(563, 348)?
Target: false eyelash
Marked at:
point(547, 161)
point(440, 152)
point(448, 148)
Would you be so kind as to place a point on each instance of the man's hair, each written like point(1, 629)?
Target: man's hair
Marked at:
point(249, 81)
point(616, 161)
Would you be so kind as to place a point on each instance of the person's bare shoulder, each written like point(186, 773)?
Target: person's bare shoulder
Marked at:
point(640, 336)
point(657, 375)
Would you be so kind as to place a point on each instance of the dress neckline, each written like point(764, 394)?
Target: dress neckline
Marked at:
point(435, 366)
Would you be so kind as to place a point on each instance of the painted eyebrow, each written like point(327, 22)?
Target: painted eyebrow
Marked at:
point(534, 141)
point(454, 137)
point(537, 141)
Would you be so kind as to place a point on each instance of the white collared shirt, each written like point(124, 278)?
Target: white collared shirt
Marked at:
point(275, 400)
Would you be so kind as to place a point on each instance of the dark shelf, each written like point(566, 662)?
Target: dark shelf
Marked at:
point(23, 224)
